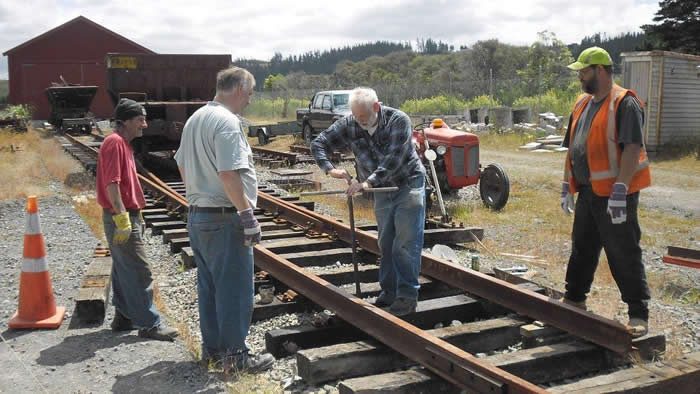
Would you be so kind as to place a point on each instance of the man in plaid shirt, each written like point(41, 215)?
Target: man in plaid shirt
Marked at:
point(381, 139)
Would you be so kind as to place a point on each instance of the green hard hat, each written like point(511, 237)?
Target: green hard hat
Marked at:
point(591, 56)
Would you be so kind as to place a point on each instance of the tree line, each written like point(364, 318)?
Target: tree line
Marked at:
point(504, 72)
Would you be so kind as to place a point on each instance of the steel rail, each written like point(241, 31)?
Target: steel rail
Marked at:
point(599, 330)
point(444, 359)
point(289, 156)
point(148, 179)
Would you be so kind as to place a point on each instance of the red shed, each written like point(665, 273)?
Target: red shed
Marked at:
point(75, 50)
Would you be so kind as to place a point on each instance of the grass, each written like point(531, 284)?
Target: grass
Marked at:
point(532, 224)
point(38, 161)
point(4, 89)
point(91, 213)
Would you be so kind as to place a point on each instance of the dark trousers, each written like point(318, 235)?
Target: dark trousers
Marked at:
point(593, 230)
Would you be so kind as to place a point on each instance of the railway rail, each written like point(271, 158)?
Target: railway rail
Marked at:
point(470, 331)
point(297, 154)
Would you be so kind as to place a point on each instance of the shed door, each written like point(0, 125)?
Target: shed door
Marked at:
point(637, 77)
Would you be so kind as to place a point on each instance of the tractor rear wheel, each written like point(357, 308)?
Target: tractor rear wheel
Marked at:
point(262, 138)
point(494, 187)
point(306, 133)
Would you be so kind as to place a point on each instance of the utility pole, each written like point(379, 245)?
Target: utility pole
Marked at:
point(491, 83)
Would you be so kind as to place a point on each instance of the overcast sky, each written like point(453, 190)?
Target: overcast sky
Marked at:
point(258, 29)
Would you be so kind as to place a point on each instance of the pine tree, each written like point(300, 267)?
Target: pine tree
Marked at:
point(677, 26)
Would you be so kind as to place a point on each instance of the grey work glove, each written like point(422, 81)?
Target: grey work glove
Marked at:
point(251, 227)
point(567, 199)
point(617, 203)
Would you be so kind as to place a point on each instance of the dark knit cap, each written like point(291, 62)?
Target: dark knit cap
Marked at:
point(127, 109)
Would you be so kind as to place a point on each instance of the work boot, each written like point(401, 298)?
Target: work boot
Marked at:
point(121, 322)
point(403, 306)
point(159, 333)
point(575, 304)
point(383, 300)
point(209, 358)
point(248, 363)
point(638, 327)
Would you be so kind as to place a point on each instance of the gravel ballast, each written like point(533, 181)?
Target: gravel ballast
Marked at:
point(72, 359)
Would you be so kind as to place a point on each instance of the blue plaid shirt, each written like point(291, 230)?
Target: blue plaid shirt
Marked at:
point(386, 158)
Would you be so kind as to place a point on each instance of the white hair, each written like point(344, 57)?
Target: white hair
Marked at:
point(363, 96)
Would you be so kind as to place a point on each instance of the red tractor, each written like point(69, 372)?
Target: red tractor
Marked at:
point(451, 158)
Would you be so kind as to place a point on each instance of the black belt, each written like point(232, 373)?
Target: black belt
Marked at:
point(194, 208)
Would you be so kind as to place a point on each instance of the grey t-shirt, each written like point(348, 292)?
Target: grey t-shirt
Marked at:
point(213, 141)
point(630, 120)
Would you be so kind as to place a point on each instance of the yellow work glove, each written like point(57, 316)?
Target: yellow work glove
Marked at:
point(123, 228)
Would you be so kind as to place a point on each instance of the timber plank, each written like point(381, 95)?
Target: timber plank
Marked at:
point(538, 365)
point(157, 228)
point(176, 244)
point(187, 256)
point(295, 245)
point(326, 257)
point(360, 358)
point(428, 314)
point(281, 234)
point(672, 376)
point(93, 295)
point(174, 233)
point(151, 219)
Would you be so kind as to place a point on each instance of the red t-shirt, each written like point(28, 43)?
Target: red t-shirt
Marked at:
point(115, 163)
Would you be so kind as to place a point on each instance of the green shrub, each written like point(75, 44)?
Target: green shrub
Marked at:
point(273, 108)
point(559, 102)
point(21, 111)
point(438, 105)
point(483, 101)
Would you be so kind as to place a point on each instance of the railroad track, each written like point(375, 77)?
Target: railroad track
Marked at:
point(470, 331)
point(297, 154)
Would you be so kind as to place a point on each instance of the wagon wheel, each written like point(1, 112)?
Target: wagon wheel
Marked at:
point(494, 186)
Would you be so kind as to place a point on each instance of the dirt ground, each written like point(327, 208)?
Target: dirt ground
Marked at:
point(673, 190)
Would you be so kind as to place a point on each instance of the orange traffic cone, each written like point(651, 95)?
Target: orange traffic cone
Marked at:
point(37, 305)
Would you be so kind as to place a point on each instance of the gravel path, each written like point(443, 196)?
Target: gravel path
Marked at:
point(78, 359)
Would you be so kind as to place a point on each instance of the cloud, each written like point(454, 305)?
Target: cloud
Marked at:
point(258, 29)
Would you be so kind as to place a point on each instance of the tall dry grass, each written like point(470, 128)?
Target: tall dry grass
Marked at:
point(91, 213)
point(29, 170)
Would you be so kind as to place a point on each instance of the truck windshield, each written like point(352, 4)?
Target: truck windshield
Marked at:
point(340, 100)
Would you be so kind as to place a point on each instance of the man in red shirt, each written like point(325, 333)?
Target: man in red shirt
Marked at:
point(120, 195)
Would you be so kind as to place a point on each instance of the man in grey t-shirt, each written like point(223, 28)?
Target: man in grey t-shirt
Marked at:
point(216, 164)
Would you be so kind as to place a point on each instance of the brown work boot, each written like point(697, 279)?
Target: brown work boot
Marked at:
point(575, 304)
point(383, 300)
point(159, 333)
point(402, 306)
point(248, 363)
point(121, 322)
point(638, 327)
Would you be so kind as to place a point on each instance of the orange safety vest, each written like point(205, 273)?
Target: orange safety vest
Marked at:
point(602, 147)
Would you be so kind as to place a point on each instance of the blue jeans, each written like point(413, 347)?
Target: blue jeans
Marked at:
point(401, 222)
point(224, 281)
point(132, 282)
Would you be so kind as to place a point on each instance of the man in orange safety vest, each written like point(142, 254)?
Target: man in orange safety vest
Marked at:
point(607, 166)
